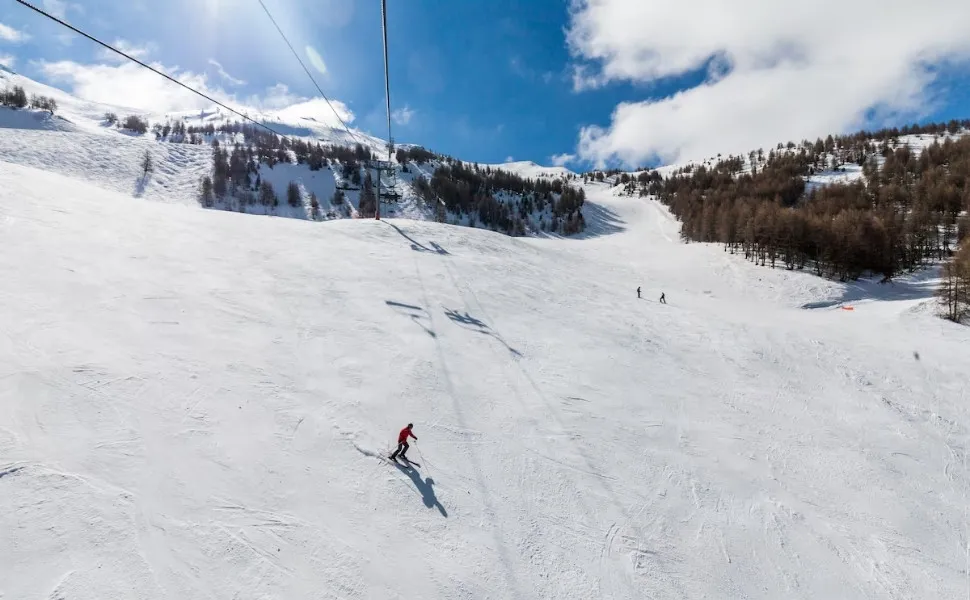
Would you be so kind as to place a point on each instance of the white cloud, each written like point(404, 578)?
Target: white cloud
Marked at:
point(276, 97)
point(317, 109)
point(561, 160)
point(58, 8)
point(288, 105)
point(509, 158)
point(773, 71)
point(9, 34)
point(8, 61)
point(129, 85)
point(519, 68)
point(522, 70)
point(135, 51)
point(316, 60)
point(403, 116)
point(138, 52)
point(225, 75)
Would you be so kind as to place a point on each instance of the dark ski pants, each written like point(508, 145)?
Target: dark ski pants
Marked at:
point(401, 449)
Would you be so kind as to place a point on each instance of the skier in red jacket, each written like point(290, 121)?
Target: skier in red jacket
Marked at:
point(402, 442)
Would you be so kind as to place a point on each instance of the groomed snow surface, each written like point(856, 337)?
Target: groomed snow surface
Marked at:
point(192, 405)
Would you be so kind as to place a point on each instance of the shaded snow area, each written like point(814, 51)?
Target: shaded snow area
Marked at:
point(194, 404)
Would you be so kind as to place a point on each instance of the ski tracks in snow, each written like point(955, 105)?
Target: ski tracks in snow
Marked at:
point(588, 447)
point(488, 509)
point(533, 400)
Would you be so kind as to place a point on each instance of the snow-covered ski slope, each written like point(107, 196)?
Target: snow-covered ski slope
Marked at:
point(191, 405)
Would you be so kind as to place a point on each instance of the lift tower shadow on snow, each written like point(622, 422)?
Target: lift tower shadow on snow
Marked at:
point(418, 246)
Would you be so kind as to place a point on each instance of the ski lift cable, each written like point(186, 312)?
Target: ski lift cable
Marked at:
point(296, 55)
point(150, 68)
point(387, 79)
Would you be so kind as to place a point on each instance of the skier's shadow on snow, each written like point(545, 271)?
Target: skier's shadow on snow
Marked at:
point(426, 487)
point(471, 323)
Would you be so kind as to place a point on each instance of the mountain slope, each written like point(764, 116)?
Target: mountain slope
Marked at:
point(191, 403)
point(79, 140)
point(529, 169)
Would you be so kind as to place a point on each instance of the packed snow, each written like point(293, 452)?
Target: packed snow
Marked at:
point(194, 404)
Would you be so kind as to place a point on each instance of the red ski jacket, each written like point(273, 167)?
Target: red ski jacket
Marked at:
point(403, 436)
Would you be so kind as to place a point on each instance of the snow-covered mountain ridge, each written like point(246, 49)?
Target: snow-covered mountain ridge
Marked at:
point(90, 141)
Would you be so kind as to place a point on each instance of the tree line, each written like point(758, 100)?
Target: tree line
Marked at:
point(909, 209)
point(270, 148)
point(501, 200)
point(494, 198)
point(415, 154)
point(235, 176)
point(954, 292)
point(16, 97)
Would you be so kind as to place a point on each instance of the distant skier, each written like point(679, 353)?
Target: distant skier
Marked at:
point(663, 298)
point(638, 292)
point(402, 442)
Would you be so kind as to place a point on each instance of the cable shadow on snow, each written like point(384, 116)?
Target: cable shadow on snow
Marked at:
point(425, 488)
point(416, 245)
point(466, 321)
point(416, 314)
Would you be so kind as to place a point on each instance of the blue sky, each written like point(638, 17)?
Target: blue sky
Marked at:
point(592, 81)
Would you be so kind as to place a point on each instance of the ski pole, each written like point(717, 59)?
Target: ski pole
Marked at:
point(421, 454)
